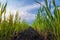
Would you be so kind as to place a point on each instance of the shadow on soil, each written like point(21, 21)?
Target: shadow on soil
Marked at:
point(31, 34)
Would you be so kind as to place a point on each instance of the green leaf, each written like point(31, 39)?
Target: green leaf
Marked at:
point(53, 1)
point(50, 5)
point(3, 8)
point(46, 2)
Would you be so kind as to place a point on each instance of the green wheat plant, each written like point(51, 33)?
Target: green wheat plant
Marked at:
point(47, 20)
point(44, 21)
point(10, 26)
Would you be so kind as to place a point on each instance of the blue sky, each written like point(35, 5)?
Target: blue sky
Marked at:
point(27, 8)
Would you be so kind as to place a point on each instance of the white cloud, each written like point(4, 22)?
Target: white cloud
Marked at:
point(23, 12)
point(3, 1)
point(29, 7)
point(27, 16)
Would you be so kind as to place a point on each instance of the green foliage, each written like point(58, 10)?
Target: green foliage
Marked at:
point(10, 26)
point(49, 21)
point(44, 21)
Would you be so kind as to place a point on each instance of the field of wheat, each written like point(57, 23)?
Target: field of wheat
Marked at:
point(46, 25)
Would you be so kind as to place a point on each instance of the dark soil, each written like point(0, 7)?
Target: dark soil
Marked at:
point(31, 34)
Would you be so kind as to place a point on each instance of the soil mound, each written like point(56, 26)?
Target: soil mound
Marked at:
point(28, 34)
point(31, 34)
